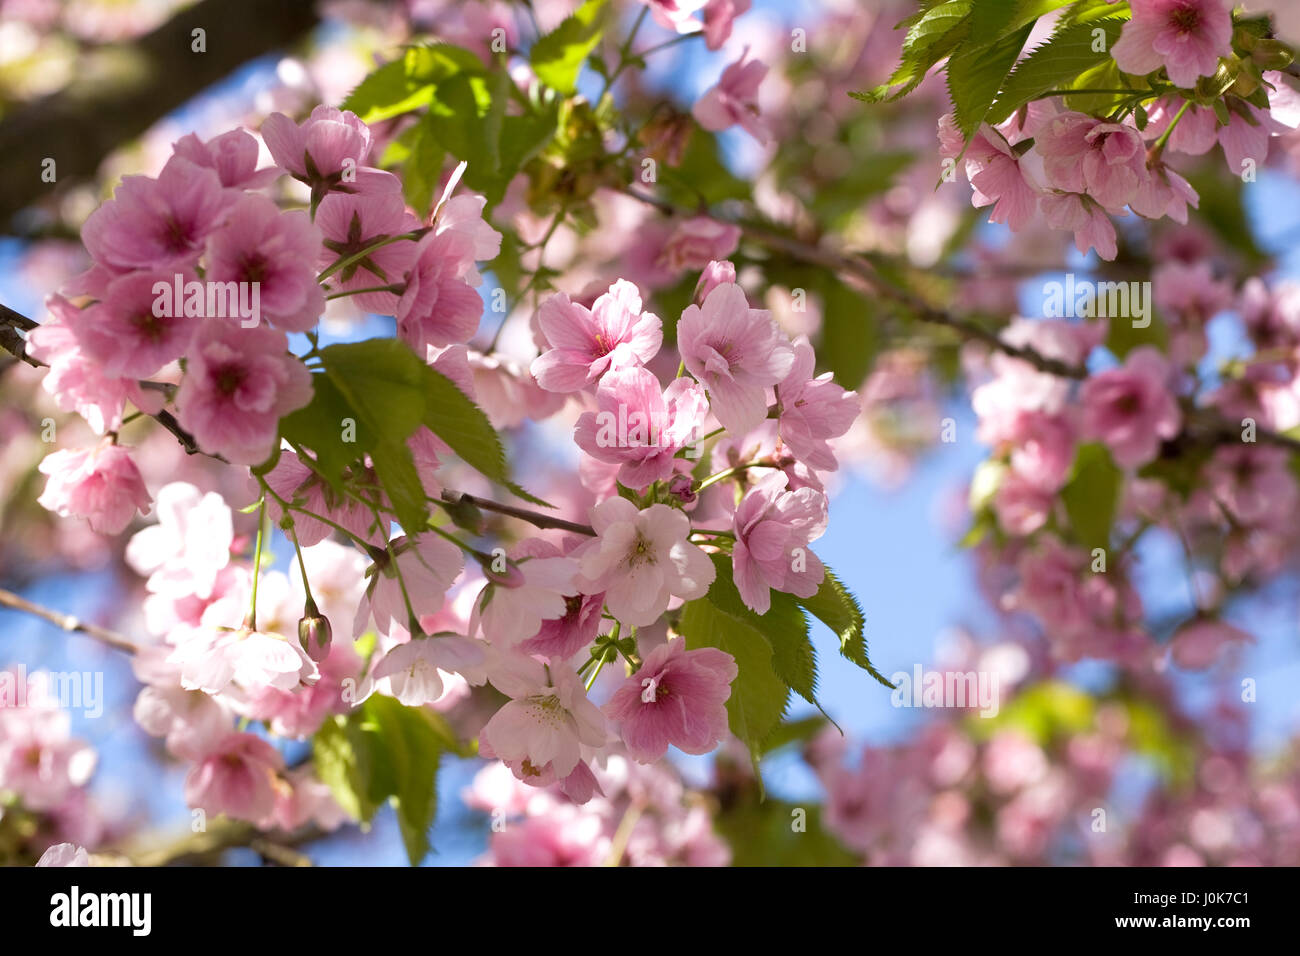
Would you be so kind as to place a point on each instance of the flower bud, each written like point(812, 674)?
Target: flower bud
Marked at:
point(679, 486)
point(314, 633)
point(500, 570)
point(716, 273)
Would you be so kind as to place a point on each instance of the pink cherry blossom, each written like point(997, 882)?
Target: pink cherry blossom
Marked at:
point(237, 778)
point(677, 697)
point(277, 250)
point(548, 720)
point(189, 547)
point(429, 564)
point(76, 380)
point(1081, 215)
point(212, 659)
point(157, 223)
point(237, 386)
point(1197, 128)
point(999, 176)
point(734, 99)
point(100, 484)
point(641, 560)
point(698, 241)
point(320, 149)
point(509, 614)
point(505, 389)
point(559, 638)
point(439, 307)
point(39, 759)
point(1197, 645)
point(351, 223)
point(716, 273)
point(584, 344)
point(190, 721)
point(639, 427)
point(126, 334)
point(64, 854)
point(1187, 37)
point(1246, 138)
point(1251, 482)
point(719, 16)
point(1164, 193)
point(676, 15)
point(565, 837)
point(813, 409)
point(1131, 408)
point(1081, 154)
point(414, 671)
point(232, 154)
point(773, 528)
point(736, 352)
point(298, 484)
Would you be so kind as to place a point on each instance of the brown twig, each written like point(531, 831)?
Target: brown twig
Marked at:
point(67, 622)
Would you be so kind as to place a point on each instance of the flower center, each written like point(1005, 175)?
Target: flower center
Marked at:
point(1185, 19)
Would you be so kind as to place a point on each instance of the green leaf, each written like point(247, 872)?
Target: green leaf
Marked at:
point(342, 758)
point(758, 696)
point(383, 380)
point(976, 75)
point(1091, 495)
point(836, 607)
point(779, 833)
point(422, 168)
point(1055, 64)
point(410, 746)
point(464, 426)
point(558, 56)
point(1122, 336)
point(784, 627)
point(409, 82)
point(385, 751)
point(384, 387)
point(933, 36)
point(320, 426)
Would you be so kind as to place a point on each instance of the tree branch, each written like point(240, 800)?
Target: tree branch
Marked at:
point(104, 107)
point(1210, 425)
point(69, 623)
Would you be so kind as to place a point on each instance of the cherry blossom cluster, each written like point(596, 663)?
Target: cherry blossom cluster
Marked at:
point(1079, 171)
point(645, 816)
point(44, 770)
point(237, 644)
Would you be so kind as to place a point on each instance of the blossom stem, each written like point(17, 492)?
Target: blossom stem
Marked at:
point(395, 288)
point(302, 565)
point(681, 38)
point(1159, 146)
point(731, 473)
point(532, 280)
point(623, 835)
point(250, 621)
point(591, 679)
point(624, 59)
point(343, 262)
